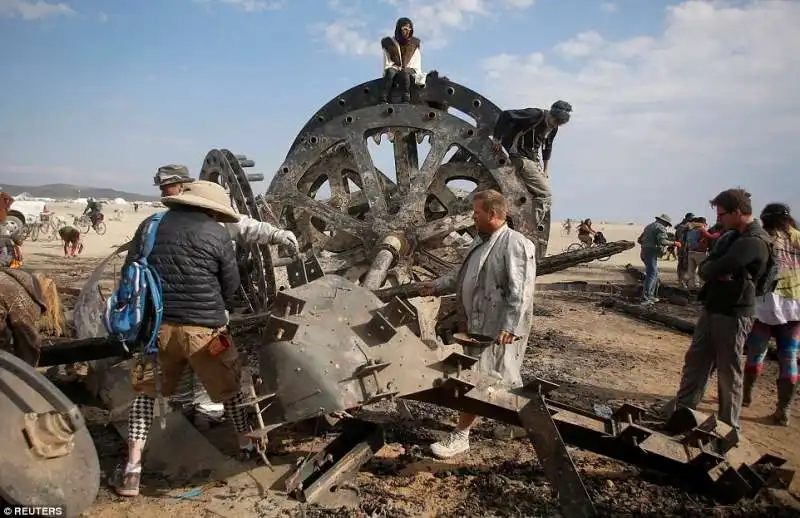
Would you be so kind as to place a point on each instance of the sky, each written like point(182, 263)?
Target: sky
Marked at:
point(673, 101)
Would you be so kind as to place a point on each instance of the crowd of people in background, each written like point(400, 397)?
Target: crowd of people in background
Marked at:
point(745, 272)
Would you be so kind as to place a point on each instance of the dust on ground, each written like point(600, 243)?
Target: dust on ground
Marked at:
point(598, 356)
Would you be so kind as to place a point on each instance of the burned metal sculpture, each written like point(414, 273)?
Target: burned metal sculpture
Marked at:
point(48, 457)
point(334, 343)
point(331, 346)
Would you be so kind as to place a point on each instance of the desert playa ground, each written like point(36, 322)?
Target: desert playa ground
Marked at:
point(597, 355)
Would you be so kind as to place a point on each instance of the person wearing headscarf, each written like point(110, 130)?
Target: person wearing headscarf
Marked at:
point(778, 313)
point(522, 133)
point(402, 61)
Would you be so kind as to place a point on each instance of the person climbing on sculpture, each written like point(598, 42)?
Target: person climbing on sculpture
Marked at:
point(522, 132)
point(402, 61)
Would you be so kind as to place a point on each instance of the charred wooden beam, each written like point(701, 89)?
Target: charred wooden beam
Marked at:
point(650, 314)
point(544, 266)
point(675, 295)
point(88, 349)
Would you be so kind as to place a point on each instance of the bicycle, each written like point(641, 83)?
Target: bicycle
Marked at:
point(45, 227)
point(84, 223)
point(581, 246)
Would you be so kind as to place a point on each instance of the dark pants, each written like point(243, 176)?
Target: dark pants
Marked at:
point(717, 344)
point(650, 260)
point(403, 82)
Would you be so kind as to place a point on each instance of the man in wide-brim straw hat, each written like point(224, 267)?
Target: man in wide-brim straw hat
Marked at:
point(654, 241)
point(207, 197)
point(193, 256)
point(173, 179)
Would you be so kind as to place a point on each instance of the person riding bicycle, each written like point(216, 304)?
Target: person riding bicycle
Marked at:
point(585, 232)
point(94, 209)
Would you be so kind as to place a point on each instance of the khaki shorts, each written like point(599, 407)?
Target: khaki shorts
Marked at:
point(179, 345)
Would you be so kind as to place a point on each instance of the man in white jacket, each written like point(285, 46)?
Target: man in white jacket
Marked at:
point(402, 61)
point(495, 286)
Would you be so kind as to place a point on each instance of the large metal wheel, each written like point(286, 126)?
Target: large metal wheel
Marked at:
point(255, 266)
point(357, 218)
point(361, 207)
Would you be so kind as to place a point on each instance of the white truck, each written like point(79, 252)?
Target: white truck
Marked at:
point(21, 213)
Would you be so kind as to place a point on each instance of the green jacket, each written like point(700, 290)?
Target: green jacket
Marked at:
point(654, 238)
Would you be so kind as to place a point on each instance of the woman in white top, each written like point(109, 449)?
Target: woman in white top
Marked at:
point(778, 313)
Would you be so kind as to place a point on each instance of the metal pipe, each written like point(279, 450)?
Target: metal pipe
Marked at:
point(379, 270)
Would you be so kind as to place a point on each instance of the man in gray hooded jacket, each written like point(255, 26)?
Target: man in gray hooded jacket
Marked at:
point(495, 286)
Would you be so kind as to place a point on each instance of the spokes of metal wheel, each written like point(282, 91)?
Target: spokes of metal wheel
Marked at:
point(363, 205)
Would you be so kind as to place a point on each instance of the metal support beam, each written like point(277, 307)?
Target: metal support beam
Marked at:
point(556, 461)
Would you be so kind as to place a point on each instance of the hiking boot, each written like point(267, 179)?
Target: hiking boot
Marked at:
point(747, 388)
point(125, 483)
point(455, 443)
point(786, 390)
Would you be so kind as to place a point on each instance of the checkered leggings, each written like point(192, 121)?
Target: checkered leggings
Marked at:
point(140, 415)
point(787, 338)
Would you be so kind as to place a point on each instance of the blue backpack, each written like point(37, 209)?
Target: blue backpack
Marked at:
point(137, 305)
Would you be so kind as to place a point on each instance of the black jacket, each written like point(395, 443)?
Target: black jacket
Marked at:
point(731, 270)
point(528, 129)
point(194, 257)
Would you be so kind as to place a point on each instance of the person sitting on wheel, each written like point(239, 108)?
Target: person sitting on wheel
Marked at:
point(585, 232)
point(402, 61)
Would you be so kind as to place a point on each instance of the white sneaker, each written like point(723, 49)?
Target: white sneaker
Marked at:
point(455, 443)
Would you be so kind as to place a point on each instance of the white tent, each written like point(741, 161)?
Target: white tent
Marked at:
point(120, 201)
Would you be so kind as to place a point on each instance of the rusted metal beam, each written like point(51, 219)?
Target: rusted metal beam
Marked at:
point(338, 461)
point(552, 453)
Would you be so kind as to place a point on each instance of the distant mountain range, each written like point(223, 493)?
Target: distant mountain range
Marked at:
point(68, 191)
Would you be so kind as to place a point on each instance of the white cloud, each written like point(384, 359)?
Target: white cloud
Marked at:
point(520, 4)
point(582, 45)
point(433, 20)
point(255, 6)
point(33, 10)
point(663, 123)
point(609, 7)
point(347, 37)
